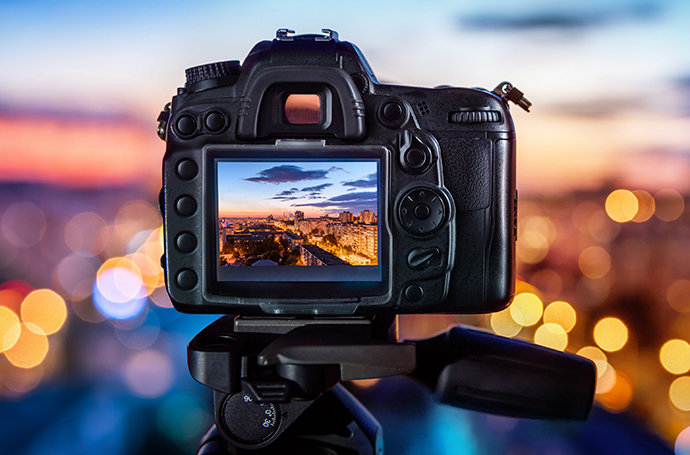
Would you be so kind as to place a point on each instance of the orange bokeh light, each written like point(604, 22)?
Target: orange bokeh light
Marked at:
point(30, 349)
point(46, 309)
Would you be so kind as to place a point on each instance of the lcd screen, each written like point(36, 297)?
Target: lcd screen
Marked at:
point(305, 220)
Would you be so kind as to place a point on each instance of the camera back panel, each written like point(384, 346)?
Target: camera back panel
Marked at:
point(297, 184)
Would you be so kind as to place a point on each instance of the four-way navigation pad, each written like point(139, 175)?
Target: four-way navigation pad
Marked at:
point(422, 211)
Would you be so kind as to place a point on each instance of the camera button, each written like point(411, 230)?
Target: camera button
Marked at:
point(185, 125)
point(186, 279)
point(185, 205)
point(422, 211)
point(416, 158)
point(214, 121)
point(422, 258)
point(413, 293)
point(186, 169)
point(185, 242)
point(393, 114)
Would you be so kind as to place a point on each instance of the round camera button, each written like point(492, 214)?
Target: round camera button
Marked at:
point(214, 121)
point(393, 112)
point(186, 125)
point(185, 205)
point(186, 169)
point(414, 293)
point(422, 211)
point(185, 242)
point(415, 158)
point(186, 279)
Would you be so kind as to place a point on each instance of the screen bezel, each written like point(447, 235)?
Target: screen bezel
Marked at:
point(292, 290)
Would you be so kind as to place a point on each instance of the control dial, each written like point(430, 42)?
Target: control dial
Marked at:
point(212, 72)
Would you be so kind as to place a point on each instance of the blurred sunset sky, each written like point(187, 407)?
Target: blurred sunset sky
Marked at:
point(83, 82)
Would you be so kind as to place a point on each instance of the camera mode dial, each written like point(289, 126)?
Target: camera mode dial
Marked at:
point(215, 70)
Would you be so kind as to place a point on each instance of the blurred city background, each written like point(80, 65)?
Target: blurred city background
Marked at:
point(93, 357)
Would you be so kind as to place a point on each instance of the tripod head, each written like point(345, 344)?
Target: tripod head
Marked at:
point(269, 374)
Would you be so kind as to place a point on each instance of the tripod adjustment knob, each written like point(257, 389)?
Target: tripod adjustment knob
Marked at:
point(249, 421)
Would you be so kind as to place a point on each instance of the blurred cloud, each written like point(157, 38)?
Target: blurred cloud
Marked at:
point(562, 18)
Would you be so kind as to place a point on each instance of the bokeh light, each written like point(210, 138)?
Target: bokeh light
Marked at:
point(669, 205)
point(10, 328)
point(45, 309)
point(678, 295)
point(30, 349)
point(526, 309)
point(18, 381)
point(561, 313)
point(536, 234)
point(117, 310)
point(594, 262)
point(674, 356)
point(119, 291)
point(618, 398)
point(682, 445)
point(610, 334)
point(86, 232)
point(646, 206)
point(597, 356)
point(502, 323)
point(149, 373)
point(621, 206)
point(606, 381)
point(75, 275)
point(552, 336)
point(23, 224)
point(679, 393)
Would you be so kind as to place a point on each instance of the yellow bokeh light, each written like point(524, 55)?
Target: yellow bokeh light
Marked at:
point(606, 381)
point(561, 313)
point(10, 328)
point(675, 356)
point(526, 309)
point(679, 393)
point(621, 206)
point(46, 309)
point(594, 262)
point(619, 397)
point(646, 206)
point(669, 205)
point(552, 336)
point(597, 356)
point(610, 334)
point(678, 295)
point(31, 347)
point(502, 324)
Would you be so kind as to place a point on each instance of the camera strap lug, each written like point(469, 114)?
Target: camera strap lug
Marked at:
point(508, 92)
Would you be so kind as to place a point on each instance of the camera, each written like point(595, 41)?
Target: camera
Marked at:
point(297, 184)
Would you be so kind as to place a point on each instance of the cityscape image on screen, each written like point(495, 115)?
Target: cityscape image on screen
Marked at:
point(298, 213)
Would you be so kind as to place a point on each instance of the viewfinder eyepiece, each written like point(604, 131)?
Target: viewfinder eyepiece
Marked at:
point(302, 109)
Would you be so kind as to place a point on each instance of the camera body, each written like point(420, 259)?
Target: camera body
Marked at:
point(296, 184)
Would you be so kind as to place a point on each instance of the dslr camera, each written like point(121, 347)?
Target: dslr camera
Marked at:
point(311, 204)
point(297, 184)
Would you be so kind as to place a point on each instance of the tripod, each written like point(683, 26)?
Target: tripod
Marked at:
point(276, 381)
